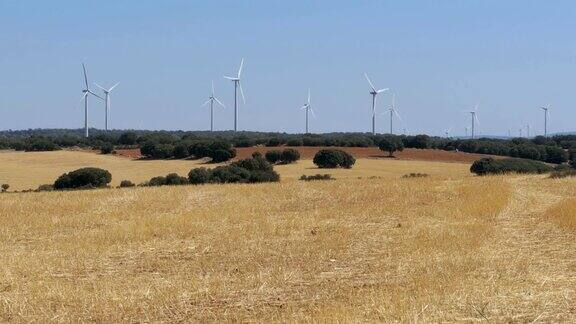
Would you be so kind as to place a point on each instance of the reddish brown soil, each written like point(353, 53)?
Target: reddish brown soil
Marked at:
point(358, 152)
point(373, 152)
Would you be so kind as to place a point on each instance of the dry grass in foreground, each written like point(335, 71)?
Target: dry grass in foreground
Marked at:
point(426, 249)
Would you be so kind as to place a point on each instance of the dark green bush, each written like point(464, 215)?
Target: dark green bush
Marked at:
point(329, 158)
point(45, 187)
point(84, 178)
point(181, 150)
point(511, 165)
point(156, 181)
point(415, 175)
point(199, 176)
point(391, 144)
point(128, 138)
point(289, 156)
point(126, 184)
point(273, 156)
point(294, 142)
point(106, 148)
point(174, 179)
point(316, 177)
point(5, 187)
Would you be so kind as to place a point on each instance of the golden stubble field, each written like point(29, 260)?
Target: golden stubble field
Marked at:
point(451, 247)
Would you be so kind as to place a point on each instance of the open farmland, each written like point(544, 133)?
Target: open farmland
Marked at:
point(450, 247)
point(28, 170)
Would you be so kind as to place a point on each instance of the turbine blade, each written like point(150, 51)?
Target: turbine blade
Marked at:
point(230, 78)
point(99, 86)
point(476, 119)
point(397, 115)
point(84, 96)
point(218, 101)
point(212, 88)
point(240, 69)
point(370, 82)
point(312, 111)
point(382, 90)
point(304, 106)
point(114, 86)
point(242, 92)
point(85, 75)
point(92, 93)
point(308, 96)
point(205, 103)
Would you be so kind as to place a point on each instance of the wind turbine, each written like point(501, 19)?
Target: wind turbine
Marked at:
point(393, 112)
point(107, 99)
point(308, 108)
point(86, 92)
point(546, 114)
point(466, 128)
point(528, 130)
point(474, 118)
point(211, 100)
point(447, 132)
point(374, 93)
point(237, 85)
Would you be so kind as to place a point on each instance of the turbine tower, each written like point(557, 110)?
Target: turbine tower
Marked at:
point(374, 93)
point(211, 100)
point(474, 118)
point(237, 85)
point(86, 92)
point(546, 114)
point(393, 112)
point(107, 99)
point(308, 109)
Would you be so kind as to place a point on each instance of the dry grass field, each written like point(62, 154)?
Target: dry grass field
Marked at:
point(28, 170)
point(450, 247)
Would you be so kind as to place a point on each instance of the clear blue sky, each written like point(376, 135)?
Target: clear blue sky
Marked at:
point(440, 57)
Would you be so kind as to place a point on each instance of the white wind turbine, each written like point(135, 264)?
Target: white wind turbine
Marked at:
point(374, 93)
point(86, 92)
point(474, 118)
point(107, 99)
point(393, 112)
point(308, 109)
point(447, 132)
point(546, 114)
point(237, 85)
point(211, 100)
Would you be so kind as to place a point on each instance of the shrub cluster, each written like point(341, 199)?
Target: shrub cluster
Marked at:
point(217, 151)
point(286, 156)
point(85, 178)
point(126, 184)
point(316, 177)
point(509, 165)
point(329, 159)
point(5, 187)
point(251, 170)
point(171, 179)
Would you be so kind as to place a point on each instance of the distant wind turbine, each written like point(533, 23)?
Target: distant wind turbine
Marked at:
point(393, 112)
point(474, 118)
point(546, 114)
point(86, 92)
point(210, 101)
point(466, 129)
point(237, 85)
point(374, 93)
point(447, 132)
point(308, 108)
point(107, 99)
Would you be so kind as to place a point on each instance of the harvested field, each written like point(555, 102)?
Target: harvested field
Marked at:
point(28, 170)
point(351, 250)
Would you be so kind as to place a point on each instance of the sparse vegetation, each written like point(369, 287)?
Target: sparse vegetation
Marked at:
point(558, 174)
point(5, 187)
point(415, 175)
point(316, 177)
